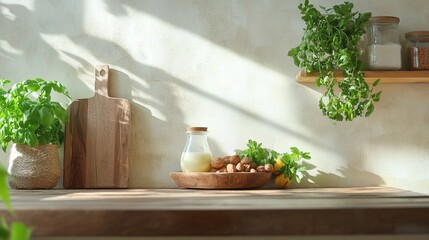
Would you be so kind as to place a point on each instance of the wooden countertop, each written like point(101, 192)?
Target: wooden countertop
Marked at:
point(179, 212)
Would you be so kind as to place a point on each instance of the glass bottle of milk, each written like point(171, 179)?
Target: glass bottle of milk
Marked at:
point(384, 49)
point(196, 156)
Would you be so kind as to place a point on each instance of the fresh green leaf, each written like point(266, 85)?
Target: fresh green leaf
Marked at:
point(295, 150)
point(19, 231)
point(376, 83)
point(4, 230)
point(376, 97)
point(306, 156)
point(46, 117)
point(369, 110)
point(60, 112)
point(4, 82)
point(60, 88)
point(4, 188)
point(31, 85)
point(31, 139)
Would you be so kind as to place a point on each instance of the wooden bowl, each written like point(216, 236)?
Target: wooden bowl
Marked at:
point(212, 180)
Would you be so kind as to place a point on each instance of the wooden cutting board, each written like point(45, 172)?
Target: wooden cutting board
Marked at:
point(97, 139)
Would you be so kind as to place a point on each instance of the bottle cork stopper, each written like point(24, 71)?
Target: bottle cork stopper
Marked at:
point(417, 35)
point(196, 129)
point(384, 19)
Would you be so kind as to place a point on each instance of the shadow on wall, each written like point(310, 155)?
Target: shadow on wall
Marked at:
point(150, 135)
point(351, 177)
point(241, 27)
point(240, 30)
point(150, 89)
point(22, 34)
point(237, 26)
point(154, 93)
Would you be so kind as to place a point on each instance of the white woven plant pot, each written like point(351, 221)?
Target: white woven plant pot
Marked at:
point(34, 167)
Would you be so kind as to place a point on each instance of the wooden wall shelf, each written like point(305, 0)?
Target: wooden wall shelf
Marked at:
point(372, 76)
point(179, 212)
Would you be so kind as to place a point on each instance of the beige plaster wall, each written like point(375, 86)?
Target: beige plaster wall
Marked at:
point(221, 64)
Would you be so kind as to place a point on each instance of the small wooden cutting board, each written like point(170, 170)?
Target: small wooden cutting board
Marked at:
point(97, 139)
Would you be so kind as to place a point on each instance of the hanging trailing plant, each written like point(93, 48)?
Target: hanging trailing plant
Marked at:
point(330, 42)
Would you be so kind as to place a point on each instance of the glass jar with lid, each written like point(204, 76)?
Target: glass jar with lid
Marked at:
point(196, 156)
point(384, 49)
point(418, 50)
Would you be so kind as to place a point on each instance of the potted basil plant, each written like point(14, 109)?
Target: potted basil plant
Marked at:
point(34, 123)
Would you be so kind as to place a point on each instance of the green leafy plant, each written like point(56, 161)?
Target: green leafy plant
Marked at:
point(292, 163)
point(28, 115)
point(16, 230)
point(330, 41)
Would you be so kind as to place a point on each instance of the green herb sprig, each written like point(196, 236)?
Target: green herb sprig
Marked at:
point(292, 164)
point(257, 154)
point(330, 41)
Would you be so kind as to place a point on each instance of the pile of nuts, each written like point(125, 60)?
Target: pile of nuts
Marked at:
point(231, 164)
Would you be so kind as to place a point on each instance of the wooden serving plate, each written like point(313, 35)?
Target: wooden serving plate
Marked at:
point(212, 180)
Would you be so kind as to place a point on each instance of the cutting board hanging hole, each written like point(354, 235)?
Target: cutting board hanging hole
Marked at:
point(102, 80)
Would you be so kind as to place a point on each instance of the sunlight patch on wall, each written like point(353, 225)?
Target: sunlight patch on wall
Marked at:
point(201, 70)
point(140, 95)
point(73, 54)
point(6, 13)
point(189, 73)
point(29, 4)
point(192, 50)
point(103, 25)
point(5, 46)
point(178, 62)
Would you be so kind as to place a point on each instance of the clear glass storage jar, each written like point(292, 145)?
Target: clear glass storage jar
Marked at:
point(196, 156)
point(383, 49)
point(418, 50)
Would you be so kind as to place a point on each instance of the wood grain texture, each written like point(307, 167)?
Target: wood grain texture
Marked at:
point(211, 180)
point(372, 76)
point(184, 212)
point(97, 139)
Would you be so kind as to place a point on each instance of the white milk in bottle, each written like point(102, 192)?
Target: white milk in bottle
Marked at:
point(196, 156)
